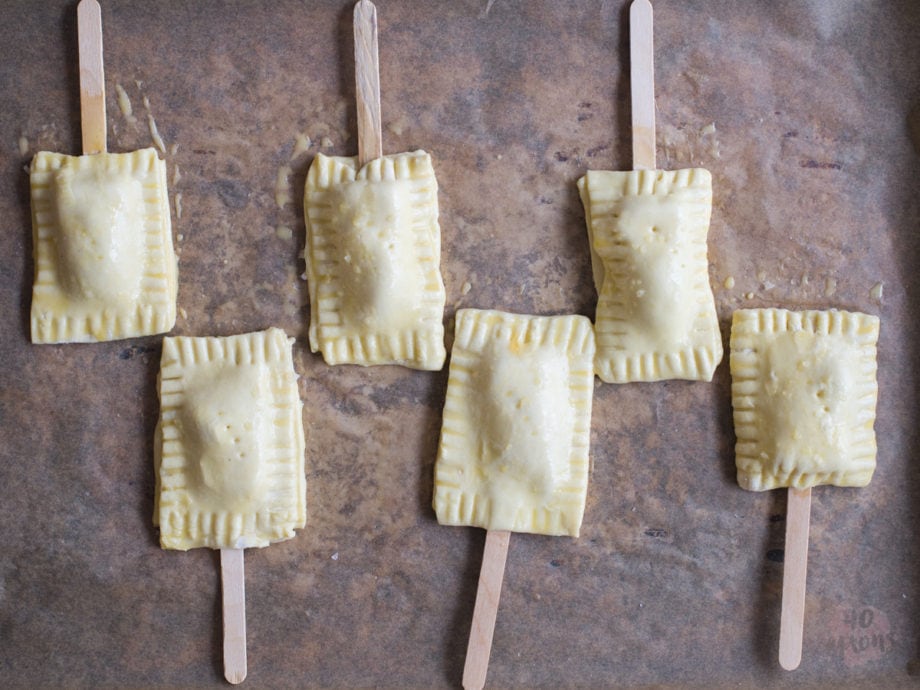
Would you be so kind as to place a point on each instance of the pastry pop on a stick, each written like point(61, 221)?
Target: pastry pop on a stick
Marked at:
point(803, 393)
point(104, 262)
point(656, 316)
point(229, 458)
point(513, 454)
point(373, 245)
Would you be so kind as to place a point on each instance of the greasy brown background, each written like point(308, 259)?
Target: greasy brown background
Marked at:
point(675, 580)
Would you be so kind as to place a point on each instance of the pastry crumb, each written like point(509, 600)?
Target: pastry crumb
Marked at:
point(876, 292)
point(23, 146)
point(398, 126)
point(282, 193)
point(830, 287)
point(465, 288)
point(301, 144)
point(729, 282)
point(284, 232)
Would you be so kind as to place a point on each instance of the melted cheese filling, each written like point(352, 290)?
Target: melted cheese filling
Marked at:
point(808, 388)
point(380, 266)
point(101, 248)
point(222, 422)
point(654, 292)
point(525, 424)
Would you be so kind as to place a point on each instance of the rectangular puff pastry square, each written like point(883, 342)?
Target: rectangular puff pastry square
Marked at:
point(514, 442)
point(373, 257)
point(803, 392)
point(104, 262)
point(656, 316)
point(229, 446)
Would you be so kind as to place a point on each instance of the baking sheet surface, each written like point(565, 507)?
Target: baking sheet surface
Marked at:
point(807, 115)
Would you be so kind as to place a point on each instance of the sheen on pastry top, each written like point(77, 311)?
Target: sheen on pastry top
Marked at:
point(105, 268)
point(229, 456)
point(656, 316)
point(804, 393)
point(373, 261)
point(514, 442)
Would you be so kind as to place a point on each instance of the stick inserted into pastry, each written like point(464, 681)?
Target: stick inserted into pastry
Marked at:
point(233, 595)
point(795, 562)
point(642, 84)
point(803, 396)
point(513, 455)
point(494, 556)
point(656, 316)
point(92, 78)
point(367, 82)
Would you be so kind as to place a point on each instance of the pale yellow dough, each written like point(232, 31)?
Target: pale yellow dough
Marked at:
point(514, 441)
point(656, 316)
point(230, 443)
point(105, 268)
point(804, 393)
point(373, 261)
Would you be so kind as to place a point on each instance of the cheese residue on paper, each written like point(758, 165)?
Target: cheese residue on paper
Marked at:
point(152, 126)
point(124, 103)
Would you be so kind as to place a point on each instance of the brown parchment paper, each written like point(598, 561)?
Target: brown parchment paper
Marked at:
point(802, 111)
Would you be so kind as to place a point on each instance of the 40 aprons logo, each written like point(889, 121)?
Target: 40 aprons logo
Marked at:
point(861, 635)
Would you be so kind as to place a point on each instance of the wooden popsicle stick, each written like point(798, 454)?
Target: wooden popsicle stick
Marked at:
point(92, 78)
point(486, 609)
point(795, 562)
point(233, 592)
point(367, 82)
point(642, 84)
